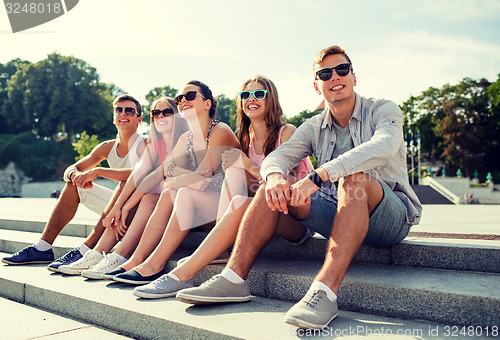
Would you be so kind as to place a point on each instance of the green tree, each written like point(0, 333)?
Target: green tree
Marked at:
point(492, 133)
point(85, 144)
point(226, 111)
point(301, 117)
point(152, 95)
point(452, 122)
point(12, 120)
point(57, 96)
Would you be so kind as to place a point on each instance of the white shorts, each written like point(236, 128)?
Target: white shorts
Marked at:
point(96, 198)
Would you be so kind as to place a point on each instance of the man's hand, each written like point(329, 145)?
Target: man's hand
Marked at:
point(84, 179)
point(277, 192)
point(302, 191)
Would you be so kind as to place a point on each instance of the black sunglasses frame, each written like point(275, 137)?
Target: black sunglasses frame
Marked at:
point(190, 95)
point(165, 112)
point(326, 73)
point(129, 111)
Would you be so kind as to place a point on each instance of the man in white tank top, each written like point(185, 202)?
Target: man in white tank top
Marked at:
point(121, 154)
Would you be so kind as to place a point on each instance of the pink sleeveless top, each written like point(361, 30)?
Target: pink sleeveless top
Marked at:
point(301, 171)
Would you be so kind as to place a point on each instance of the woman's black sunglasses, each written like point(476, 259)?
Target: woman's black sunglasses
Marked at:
point(166, 112)
point(190, 95)
point(326, 73)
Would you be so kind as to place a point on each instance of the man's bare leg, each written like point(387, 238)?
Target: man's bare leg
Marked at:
point(63, 213)
point(358, 196)
point(257, 227)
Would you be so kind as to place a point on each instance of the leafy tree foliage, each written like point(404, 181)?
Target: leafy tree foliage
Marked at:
point(152, 95)
point(37, 158)
point(456, 124)
point(85, 145)
point(300, 118)
point(57, 96)
point(226, 111)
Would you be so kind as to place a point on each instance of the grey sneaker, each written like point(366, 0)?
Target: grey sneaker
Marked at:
point(314, 311)
point(162, 287)
point(217, 289)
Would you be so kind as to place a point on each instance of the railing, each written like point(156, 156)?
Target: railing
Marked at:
point(441, 189)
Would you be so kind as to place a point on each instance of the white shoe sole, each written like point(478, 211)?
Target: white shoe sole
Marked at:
point(71, 271)
point(55, 270)
point(31, 262)
point(304, 324)
point(92, 275)
point(145, 295)
point(204, 300)
point(132, 282)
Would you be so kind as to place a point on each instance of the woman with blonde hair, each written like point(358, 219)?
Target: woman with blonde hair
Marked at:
point(261, 129)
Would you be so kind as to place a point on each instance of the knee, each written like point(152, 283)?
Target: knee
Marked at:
point(184, 194)
point(239, 200)
point(355, 186)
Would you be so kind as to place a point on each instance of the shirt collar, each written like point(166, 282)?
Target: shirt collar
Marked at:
point(328, 119)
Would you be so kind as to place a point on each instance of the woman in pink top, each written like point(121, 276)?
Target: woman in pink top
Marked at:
point(261, 128)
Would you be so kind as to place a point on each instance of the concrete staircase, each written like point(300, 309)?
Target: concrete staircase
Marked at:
point(419, 288)
point(427, 195)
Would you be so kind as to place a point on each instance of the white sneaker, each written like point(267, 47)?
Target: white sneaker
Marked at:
point(89, 259)
point(110, 262)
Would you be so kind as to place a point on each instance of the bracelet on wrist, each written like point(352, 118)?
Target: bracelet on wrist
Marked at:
point(170, 169)
point(71, 172)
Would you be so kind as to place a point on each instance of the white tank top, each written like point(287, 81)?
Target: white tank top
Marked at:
point(130, 159)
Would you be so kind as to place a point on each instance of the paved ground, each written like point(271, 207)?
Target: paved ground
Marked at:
point(25, 322)
point(450, 219)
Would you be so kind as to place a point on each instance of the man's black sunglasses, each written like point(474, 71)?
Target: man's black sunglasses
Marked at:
point(326, 73)
point(129, 111)
point(166, 112)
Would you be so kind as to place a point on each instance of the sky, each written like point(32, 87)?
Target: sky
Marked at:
point(398, 48)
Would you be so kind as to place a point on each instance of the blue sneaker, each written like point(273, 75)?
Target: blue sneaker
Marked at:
point(30, 255)
point(70, 257)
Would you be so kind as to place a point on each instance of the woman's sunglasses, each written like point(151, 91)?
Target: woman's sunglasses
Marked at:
point(129, 111)
point(166, 112)
point(257, 94)
point(327, 73)
point(190, 95)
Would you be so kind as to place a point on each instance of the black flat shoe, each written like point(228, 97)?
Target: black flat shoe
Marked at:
point(134, 278)
point(109, 275)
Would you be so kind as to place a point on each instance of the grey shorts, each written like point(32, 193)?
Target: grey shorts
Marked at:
point(387, 224)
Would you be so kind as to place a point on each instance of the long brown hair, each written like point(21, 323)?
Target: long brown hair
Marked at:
point(274, 118)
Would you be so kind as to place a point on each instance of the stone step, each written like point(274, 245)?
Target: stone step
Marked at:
point(445, 296)
point(26, 322)
point(71, 229)
point(439, 253)
point(113, 307)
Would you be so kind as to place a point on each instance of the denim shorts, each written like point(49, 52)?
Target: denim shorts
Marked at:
point(387, 225)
